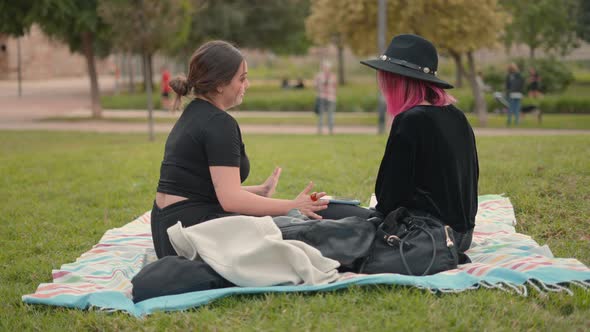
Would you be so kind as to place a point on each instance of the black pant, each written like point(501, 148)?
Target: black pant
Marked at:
point(339, 211)
point(463, 242)
point(188, 212)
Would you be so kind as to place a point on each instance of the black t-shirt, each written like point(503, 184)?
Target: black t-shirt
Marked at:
point(203, 136)
point(430, 164)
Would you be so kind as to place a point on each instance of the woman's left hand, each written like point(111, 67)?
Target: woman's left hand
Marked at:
point(269, 186)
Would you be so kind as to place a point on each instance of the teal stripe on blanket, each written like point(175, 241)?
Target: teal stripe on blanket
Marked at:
point(502, 258)
point(108, 301)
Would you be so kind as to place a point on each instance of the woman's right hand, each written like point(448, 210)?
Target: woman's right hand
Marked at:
point(270, 185)
point(309, 206)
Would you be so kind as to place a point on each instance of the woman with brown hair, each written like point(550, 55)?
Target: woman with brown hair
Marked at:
point(205, 160)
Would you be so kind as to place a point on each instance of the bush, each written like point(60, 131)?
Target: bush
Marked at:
point(129, 101)
point(562, 104)
point(549, 104)
point(582, 78)
point(356, 98)
point(555, 75)
point(351, 98)
point(495, 78)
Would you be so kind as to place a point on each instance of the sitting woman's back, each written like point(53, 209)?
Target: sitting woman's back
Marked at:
point(430, 164)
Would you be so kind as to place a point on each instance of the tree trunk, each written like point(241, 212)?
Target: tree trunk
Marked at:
point(144, 67)
point(88, 50)
point(131, 71)
point(532, 53)
point(480, 107)
point(341, 79)
point(118, 72)
point(147, 61)
point(19, 72)
point(459, 72)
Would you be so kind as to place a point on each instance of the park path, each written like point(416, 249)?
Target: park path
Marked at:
point(70, 97)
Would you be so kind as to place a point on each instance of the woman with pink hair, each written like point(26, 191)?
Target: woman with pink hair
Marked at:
point(430, 164)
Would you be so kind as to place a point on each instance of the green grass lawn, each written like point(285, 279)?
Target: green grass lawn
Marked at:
point(550, 121)
point(62, 191)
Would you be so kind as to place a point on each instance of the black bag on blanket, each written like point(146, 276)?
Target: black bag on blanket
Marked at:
point(347, 240)
point(175, 275)
point(411, 243)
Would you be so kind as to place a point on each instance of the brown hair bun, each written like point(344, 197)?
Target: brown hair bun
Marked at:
point(180, 86)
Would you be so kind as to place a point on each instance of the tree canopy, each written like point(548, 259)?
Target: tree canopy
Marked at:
point(78, 24)
point(15, 18)
point(274, 25)
point(550, 25)
point(583, 20)
point(154, 25)
point(456, 25)
point(459, 27)
point(70, 20)
point(355, 21)
point(146, 25)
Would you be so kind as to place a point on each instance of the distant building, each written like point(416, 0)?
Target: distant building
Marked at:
point(42, 58)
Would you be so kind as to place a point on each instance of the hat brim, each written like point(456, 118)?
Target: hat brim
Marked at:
point(404, 71)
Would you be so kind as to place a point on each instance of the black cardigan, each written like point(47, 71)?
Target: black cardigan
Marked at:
point(430, 164)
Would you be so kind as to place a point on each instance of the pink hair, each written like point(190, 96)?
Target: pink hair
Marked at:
point(402, 93)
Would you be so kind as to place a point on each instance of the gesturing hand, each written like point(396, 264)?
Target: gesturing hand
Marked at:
point(309, 206)
point(269, 186)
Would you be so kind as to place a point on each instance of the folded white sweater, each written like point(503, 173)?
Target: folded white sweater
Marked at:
point(250, 251)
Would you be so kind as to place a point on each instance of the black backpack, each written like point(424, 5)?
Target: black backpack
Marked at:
point(411, 243)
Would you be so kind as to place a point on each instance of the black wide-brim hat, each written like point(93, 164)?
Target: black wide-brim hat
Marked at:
point(411, 56)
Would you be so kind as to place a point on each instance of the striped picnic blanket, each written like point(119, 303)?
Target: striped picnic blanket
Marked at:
point(502, 259)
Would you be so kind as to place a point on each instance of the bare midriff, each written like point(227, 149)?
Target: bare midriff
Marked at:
point(163, 200)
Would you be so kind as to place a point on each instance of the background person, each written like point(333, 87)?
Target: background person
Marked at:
point(205, 160)
point(165, 88)
point(299, 84)
point(325, 84)
point(514, 88)
point(534, 87)
point(285, 83)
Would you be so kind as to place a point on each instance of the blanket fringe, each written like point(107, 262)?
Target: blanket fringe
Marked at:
point(560, 288)
point(532, 284)
point(541, 287)
point(516, 288)
point(104, 309)
point(450, 290)
point(523, 290)
point(503, 286)
point(486, 284)
point(583, 284)
point(555, 288)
